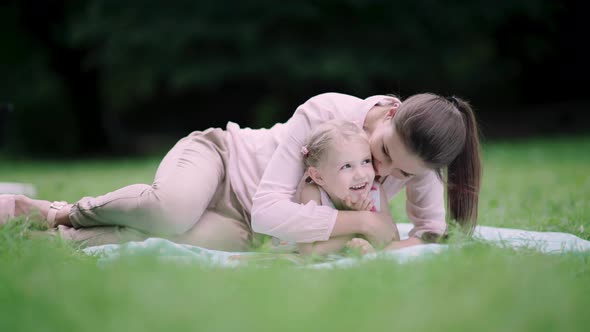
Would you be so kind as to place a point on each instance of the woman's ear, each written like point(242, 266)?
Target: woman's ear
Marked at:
point(315, 175)
point(391, 112)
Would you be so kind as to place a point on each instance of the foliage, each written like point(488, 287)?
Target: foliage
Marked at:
point(86, 76)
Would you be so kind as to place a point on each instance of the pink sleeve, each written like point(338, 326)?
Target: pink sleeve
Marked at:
point(425, 204)
point(274, 211)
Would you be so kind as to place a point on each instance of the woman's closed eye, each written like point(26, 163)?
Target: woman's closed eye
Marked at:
point(406, 175)
point(385, 151)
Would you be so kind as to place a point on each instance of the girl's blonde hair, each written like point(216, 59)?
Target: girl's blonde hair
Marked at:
point(322, 138)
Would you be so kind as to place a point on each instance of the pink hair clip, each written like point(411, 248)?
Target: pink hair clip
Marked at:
point(304, 151)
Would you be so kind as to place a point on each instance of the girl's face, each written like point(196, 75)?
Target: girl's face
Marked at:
point(390, 156)
point(346, 170)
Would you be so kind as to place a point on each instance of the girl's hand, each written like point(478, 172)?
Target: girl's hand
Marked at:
point(362, 204)
point(363, 245)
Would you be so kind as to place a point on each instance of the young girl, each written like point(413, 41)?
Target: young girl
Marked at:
point(339, 171)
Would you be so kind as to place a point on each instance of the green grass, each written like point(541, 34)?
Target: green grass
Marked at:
point(542, 184)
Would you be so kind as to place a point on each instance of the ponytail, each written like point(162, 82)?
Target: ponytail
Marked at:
point(464, 172)
point(443, 133)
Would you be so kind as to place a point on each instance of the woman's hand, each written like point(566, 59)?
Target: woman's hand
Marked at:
point(363, 245)
point(379, 228)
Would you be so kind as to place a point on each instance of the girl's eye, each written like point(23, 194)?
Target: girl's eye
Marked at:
point(345, 166)
point(366, 161)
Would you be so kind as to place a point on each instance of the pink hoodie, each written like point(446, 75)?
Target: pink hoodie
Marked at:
point(265, 167)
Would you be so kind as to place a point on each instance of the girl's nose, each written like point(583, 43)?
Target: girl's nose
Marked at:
point(359, 174)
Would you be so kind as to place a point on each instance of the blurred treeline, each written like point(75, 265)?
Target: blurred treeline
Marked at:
point(96, 76)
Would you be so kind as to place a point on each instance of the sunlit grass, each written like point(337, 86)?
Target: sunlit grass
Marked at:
point(48, 285)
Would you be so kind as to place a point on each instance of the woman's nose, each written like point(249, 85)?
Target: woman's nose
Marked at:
point(382, 169)
point(376, 167)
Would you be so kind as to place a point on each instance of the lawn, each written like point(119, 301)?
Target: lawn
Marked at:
point(535, 184)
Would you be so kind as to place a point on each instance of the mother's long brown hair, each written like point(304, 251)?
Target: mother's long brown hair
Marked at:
point(443, 132)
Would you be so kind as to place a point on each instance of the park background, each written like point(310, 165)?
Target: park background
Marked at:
point(87, 78)
point(95, 92)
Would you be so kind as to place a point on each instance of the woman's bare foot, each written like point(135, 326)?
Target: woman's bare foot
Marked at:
point(25, 206)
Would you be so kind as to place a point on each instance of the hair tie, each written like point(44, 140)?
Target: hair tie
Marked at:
point(453, 101)
point(304, 151)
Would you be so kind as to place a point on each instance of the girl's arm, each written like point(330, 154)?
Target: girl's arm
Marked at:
point(411, 241)
point(310, 192)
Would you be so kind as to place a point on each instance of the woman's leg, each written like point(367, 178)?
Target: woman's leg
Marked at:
point(96, 236)
point(218, 232)
point(16, 205)
point(185, 183)
point(213, 231)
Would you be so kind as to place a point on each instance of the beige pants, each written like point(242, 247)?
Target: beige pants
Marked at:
point(190, 201)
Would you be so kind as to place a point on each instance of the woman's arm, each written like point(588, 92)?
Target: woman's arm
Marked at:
point(366, 248)
point(386, 213)
point(274, 210)
point(425, 208)
point(411, 241)
point(333, 245)
point(425, 205)
point(337, 243)
point(311, 192)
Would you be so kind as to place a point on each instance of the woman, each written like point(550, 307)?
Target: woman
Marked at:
point(217, 188)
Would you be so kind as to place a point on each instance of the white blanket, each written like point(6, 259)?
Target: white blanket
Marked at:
point(545, 242)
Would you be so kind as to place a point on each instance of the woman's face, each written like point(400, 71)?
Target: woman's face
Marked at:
point(390, 156)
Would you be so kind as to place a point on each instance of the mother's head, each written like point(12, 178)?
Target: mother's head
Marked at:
point(430, 132)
